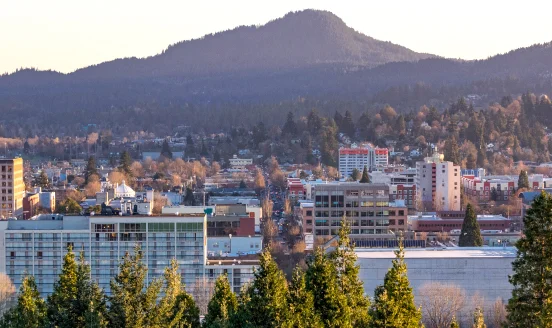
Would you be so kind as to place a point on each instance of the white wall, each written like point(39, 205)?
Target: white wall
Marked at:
point(220, 245)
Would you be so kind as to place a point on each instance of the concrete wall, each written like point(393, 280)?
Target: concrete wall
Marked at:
point(478, 276)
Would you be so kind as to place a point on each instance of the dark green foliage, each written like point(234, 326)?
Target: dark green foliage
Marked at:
point(365, 177)
point(470, 234)
point(301, 304)
point(523, 180)
point(243, 185)
point(355, 175)
point(266, 302)
point(478, 319)
point(42, 180)
point(30, 311)
point(189, 198)
point(290, 127)
point(132, 304)
point(222, 306)
point(329, 142)
point(471, 162)
point(531, 302)
point(90, 169)
point(451, 151)
point(124, 163)
point(68, 206)
point(166, 150)
point(394, 305)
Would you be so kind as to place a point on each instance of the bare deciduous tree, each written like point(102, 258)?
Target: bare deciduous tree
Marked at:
point(7, 294)
point(202, 291)
point(498, 313)
point(441, 303)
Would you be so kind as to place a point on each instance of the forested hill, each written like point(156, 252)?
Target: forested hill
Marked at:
point(299, 39)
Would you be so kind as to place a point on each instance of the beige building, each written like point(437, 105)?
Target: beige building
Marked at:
point(437, 185)
point(12, 187)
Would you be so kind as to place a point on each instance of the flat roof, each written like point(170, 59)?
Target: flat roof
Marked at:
point(449, 252)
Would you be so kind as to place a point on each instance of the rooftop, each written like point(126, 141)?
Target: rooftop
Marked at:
point(429, 253)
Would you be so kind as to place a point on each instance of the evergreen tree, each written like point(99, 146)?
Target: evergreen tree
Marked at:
point(400, 125)
point(314, 123)
point(243, 185)
point(90, 303)
point(355, 175)
point(329, 144)
point(69, 206)
point(42, 180)
point(30, 311)
point(190, 148)
point(478, 320)
point(329, 303)
point(349, 284)
point(204, 151)
point(124, 163)
point(26, 147)
point(166, 150)
point(290, 127)
point(531, 302)
point(90, 169)
point(523, 180)
point(365, 177)
point(481, 157)
point(189, 198)
point(347, 125)
point(471, 161)
point(301, 304)
point(470, 234)
point(451, 153)
point(176, 308)
point(266, 304)
point(132, 304)
point(393, 305)
point(222, 306)
point(60, 302)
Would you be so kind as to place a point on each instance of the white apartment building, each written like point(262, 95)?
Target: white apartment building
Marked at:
point(360, 157)
point(240, 163)
point(38, 247)
point(438, 185)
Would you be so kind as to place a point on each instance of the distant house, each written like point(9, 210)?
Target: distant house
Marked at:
point(415, 153)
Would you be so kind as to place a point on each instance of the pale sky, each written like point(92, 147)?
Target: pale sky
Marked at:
point(66, 34)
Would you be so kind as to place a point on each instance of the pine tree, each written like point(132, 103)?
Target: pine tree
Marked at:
point(166, 150)
point(471, 161)
point(365, 177)
point(124, 163)
point(290, 127)
point(355, 175)
point(30, 311)
point(42, 180)
point(454, 323)
point(90, 169)
point(329, 303)
point(132, 304)
point(531, 302)
point(393, 305)
point(222, 306)
point(470, 234)
point(60, 302)
point(301, 304)
point(243, 185)
point(478, 320)
point(90, 304)
point(267, 296)
point(176, 308)
point(189, 198)
point(451, 153)
point(349, 284)
point(523, 180)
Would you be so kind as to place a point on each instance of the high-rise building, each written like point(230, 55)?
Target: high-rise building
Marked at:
point(437, 185)
point(360, 157)
point(38, 246)
point(366, 205)
point(12, 188)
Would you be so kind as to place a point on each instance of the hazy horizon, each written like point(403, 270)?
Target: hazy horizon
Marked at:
point(67, 35)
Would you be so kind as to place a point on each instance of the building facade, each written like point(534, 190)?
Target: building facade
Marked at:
point(12, 188)
point(358, 158)
point(365, 205)
point(437, 185)
point(38, 246)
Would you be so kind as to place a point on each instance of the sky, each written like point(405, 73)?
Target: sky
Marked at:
point(65, 35)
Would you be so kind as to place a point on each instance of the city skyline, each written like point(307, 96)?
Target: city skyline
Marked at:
point(66, 36)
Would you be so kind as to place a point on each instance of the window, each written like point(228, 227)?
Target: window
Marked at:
point(39, 255)
point(12, 255)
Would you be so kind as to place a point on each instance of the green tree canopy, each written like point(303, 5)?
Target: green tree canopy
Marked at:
point(69, 206)
point(531, 302)
point(30, 311)
point(365, 177)
point(166, 150)
point(523, 180)
point(394, 301)
point(90, 169)
point(301, 304)
point(42, 180)
point(355, 175)
point(124, 163)
point(222, 306)
point(470, 234)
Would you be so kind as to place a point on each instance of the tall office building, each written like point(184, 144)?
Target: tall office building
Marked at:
point(38, 247)
point(360, 157)
point(366, 205)
point(12, 188)
point(437, 185)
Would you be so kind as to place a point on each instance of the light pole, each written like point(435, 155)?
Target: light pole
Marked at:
point(230, 235)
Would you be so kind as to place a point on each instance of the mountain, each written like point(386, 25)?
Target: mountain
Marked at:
point(304, 60)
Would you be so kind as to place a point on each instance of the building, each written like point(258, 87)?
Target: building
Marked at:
point(240, 163)
point(359, 157)
point(295, 189)
point(479, 272)
point(366, 205)
point(434, 223)
point(306, 216)
point(499, 188)
point(31, 202)
point(38, 247)
point(437, 185)
point(154, 155)
point(13, 187)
